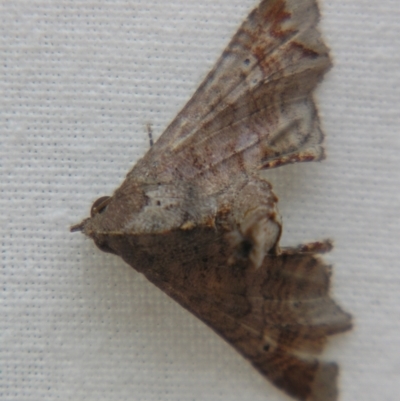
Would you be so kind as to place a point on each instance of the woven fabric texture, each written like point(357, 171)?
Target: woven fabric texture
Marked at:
point(79, 82)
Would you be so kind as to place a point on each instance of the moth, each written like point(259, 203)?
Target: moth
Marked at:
point(197, 219)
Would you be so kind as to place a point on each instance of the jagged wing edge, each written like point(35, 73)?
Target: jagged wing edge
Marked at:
point(209, 98)
point(299, 374)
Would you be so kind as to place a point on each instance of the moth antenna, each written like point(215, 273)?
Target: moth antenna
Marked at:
point(150, 134)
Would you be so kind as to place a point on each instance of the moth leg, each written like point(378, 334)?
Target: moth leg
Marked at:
point(315, 153)
point(312, 248)
point(257, 226)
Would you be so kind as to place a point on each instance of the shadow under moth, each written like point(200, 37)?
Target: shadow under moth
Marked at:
point(196, 218)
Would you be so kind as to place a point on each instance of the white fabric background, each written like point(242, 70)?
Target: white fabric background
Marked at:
point(79, 81)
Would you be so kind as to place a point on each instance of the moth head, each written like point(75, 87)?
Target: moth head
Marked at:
point(99, 206)
point(111, 216)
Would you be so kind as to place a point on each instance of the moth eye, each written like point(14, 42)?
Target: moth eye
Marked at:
point(99, 205)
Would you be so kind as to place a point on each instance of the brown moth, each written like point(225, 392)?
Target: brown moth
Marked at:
point(195, 217)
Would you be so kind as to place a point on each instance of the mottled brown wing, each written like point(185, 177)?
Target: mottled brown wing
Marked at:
point(278, 316)
point(289, 317)
point(255, 107)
